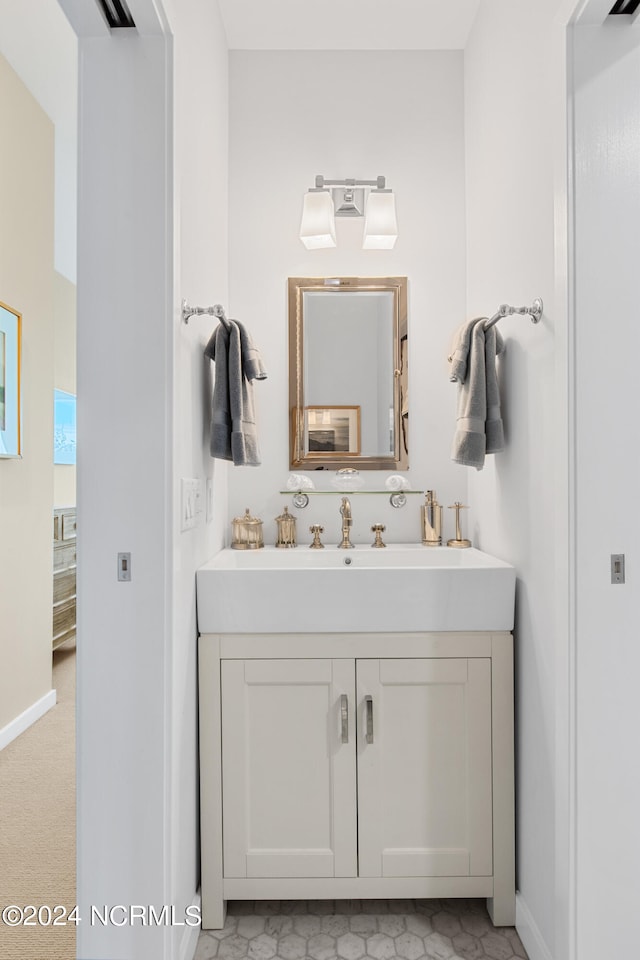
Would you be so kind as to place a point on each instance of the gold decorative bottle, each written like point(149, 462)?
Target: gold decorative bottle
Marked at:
point(431, 514)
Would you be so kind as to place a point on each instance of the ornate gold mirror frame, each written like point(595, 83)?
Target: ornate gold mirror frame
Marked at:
point(330, 423)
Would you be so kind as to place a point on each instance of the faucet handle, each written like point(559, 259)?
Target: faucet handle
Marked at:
point(316, 529)
point(378, 529)
point(458, 540)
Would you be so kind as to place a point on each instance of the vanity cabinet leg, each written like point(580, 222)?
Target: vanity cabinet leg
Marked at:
point(214, 906)
point(502, 910)
point(214, 914)
point(502, 906)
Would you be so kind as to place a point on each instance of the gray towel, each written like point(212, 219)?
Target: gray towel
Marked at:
point(473, 366)
point(459, 357)
point(494, 431)
point(252, 365)
point(238, 363)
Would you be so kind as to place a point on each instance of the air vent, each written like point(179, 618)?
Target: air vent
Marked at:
point(624, 6)
point(116, 13)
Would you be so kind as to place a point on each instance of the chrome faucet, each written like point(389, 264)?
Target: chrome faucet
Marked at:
point(347, 523)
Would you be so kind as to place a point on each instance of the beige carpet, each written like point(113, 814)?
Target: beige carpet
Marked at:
point(38, 823)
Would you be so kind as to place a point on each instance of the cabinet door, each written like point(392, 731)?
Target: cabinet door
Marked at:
point(288, 768)
point(424, 783)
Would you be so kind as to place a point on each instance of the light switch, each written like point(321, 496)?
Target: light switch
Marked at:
point(124, 566)
point(190, 502)
point(617, 568)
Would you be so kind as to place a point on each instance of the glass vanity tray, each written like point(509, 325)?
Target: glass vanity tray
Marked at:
point(397, 498)
point(352, 493)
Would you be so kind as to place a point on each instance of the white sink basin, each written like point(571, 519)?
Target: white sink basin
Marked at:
point(404, 587)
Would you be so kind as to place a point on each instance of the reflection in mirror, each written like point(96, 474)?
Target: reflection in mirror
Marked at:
point(348, 357)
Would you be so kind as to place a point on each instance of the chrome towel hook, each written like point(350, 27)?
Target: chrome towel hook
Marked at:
point(504, 310)
point(216, 311)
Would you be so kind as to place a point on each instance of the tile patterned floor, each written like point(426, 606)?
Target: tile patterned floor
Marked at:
point(359, 930)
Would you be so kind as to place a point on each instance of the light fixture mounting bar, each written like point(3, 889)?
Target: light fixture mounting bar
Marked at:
point(378, 183)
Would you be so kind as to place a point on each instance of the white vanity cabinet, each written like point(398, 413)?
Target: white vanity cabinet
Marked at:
point(357, 766)
point(424, 767)
point(288, 774)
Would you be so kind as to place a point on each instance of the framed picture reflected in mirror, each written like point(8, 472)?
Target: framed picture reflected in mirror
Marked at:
point(331, 430)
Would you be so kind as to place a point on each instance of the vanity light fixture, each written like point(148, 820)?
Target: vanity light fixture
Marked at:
point(380, 225)
point(318, 228)
point(346, 198)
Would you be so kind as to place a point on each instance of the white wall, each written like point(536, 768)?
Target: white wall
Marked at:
point(39, 43)
point(152, 230)
point(201, 276)
point(125, 333)
point(607, 201)
point(510, 97)
point(348, 114)
point(26, 485)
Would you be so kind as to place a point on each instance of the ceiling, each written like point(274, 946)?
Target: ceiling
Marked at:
point(348, 24)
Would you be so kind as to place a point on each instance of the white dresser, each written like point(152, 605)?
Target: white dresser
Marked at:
point(64, 575)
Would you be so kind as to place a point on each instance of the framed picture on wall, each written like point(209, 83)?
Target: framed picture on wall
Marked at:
point(64, 427)
point(332, 430)
point(10, 392)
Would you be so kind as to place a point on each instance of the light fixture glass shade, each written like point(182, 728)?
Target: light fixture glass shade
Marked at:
point(380, 225)
point(318, 228)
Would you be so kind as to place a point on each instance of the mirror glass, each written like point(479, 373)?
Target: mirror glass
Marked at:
point(348, 360)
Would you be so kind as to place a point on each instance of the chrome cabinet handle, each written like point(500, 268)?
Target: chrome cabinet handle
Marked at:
point(344, 715)
point(369, 708)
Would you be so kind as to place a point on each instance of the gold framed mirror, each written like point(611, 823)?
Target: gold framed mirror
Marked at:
point(348, 373)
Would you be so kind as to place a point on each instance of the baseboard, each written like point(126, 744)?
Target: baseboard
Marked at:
point(24, 720)
point(532, 940)
point(189, 939)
